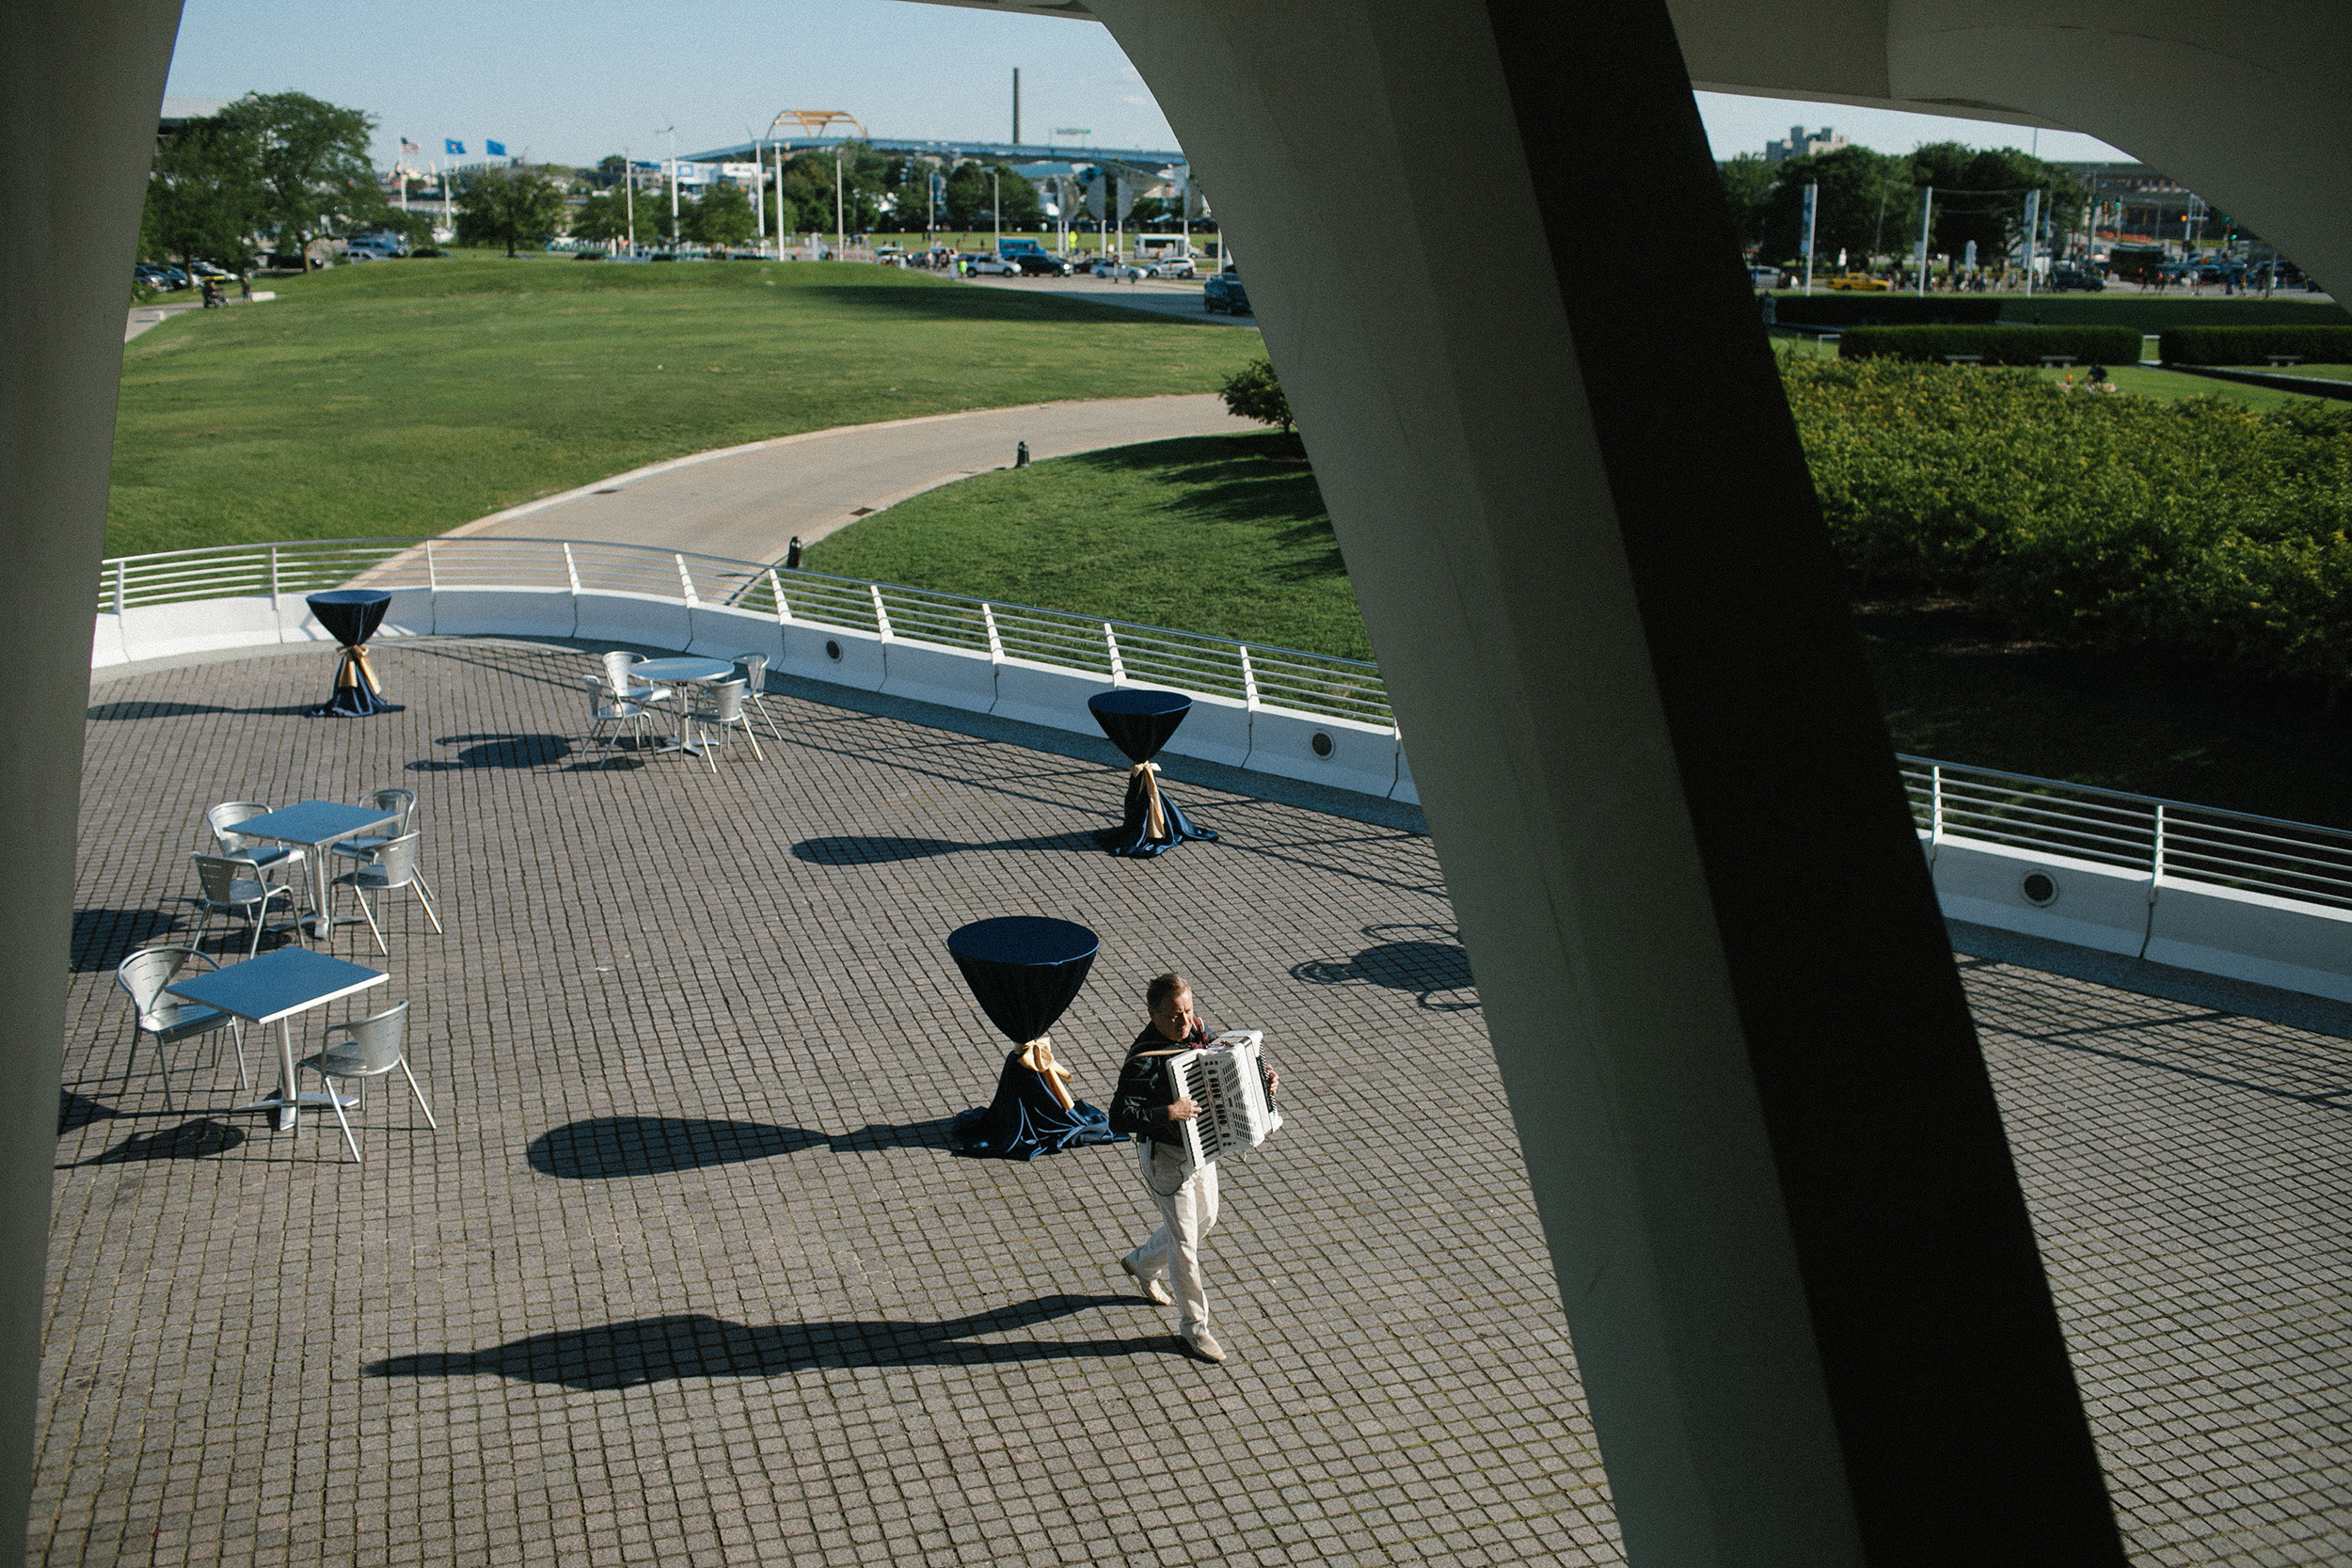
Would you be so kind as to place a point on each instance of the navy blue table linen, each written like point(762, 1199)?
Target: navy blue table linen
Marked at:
point(351, 616)
point(1024, 970)
point(1140, 723)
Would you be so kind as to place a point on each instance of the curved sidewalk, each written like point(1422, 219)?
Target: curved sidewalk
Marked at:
point(748, 502)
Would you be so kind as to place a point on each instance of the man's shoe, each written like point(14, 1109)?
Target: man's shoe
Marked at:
point(1153, 1289)
point(1202, 1344)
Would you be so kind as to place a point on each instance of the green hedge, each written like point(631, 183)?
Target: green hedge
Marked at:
point(2250, 345)
point(1889, 310)
point(2195, 529)
point(1998, 345)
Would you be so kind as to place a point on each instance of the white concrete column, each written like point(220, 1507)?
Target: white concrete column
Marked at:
point(1802, 1289)
point(80, 90)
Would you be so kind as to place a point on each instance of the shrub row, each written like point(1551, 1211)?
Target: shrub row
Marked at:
point(1888, 309)
point(2252, 345)
point(2195, 529)
point(1996, 345)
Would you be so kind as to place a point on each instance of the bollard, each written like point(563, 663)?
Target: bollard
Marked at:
point(1021, 458)
point(792, 555)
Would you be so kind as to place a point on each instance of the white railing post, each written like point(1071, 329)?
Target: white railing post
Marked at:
point(121, 585)
point(2156, 865)
point(686, 582)
point(571, 569)
point(881, 615)
point(1248, 681)
point(775, 586)
point(995, 643)
point(1119, 670)
point(432, 568)
point(274, 595)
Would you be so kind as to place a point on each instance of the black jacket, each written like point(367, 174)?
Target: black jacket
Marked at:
point(1139, 1104)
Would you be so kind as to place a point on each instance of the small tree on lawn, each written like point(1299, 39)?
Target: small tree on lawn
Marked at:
point(509, 207)
point(1254, 392)
point(722, 218)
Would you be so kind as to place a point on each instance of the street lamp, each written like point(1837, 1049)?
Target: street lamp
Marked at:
point(996, 210)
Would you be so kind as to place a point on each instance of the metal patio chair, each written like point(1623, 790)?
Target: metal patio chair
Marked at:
point(614, 710)
point(367, 1048)
point(625, 686)
point(224, 887)
point(165, 1019)
point(259, 853)
point(719, 711)
point(404, 803)
point(754, 668)
point(390, 866)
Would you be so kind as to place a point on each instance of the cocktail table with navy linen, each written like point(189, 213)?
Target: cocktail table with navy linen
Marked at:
point(270, 990)
point(316, 823)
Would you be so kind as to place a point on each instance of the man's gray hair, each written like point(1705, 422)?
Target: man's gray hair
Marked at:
point(1162, 988)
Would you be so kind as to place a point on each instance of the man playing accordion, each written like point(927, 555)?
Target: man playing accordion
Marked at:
point(1147, 1106)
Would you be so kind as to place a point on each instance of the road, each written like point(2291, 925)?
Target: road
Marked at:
point(748, 502)
point(1165, 300)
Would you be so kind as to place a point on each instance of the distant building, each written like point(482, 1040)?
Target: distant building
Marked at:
point(1803, 145)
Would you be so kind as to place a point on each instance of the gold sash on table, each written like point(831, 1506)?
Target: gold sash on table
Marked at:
point(1038, 1056)
point(1156, 817)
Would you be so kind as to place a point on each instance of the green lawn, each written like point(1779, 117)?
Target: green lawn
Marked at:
point(1223, 534)
point(407, 397)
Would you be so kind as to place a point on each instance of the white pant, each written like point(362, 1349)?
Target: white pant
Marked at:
point(1187, 1209)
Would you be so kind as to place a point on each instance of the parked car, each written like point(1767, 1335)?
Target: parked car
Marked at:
point(1172, 266)
point(206, 269)
point(2063, 278)
point(156, 276)
point(1041, 263)
point(1224, 292)
point(979, 264)
point(1767, 278)
point(1111, 266)
point(1860, 282)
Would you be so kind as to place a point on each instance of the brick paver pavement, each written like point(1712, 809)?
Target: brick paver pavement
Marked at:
point(689, 1276)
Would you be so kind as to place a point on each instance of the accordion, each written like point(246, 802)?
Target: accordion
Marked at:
point(1224, 1080)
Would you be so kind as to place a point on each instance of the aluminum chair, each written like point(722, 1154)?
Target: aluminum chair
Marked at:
point(754, 668)
point(259, 853)
point(391, 867)
point(722, 710)
point(223, 886)
point(625, 686)
point(400, 801)
point(613, 710)
point(368, 1048)
point(165, 1019)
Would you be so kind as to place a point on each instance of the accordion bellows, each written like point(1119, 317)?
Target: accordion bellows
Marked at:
point(1225, 1080)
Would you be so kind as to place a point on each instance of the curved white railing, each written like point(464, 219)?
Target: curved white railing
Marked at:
point(2249, 896)
point(1273, 709)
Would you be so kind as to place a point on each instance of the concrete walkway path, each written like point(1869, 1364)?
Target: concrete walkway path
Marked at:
point(748, 502)
point(1170, 298)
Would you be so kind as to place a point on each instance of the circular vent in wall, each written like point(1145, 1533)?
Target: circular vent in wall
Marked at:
point(1322, 743)
point(832, 650)
point(2040, 887)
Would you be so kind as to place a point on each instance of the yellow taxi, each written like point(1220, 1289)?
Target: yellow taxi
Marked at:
point(1860, 282)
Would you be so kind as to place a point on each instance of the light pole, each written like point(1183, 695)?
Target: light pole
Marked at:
point(672, 134)
point(995, 209)
point(1927, 208)
point(1812, 204)
point(629, 196)
point(840, 222)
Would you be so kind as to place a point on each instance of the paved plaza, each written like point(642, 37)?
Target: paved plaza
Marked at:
point(688, 1274)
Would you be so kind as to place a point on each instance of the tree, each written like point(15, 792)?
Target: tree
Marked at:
point(1255, 392)
point(1866, 199)
point(204, 197)
point(611, 170)
point(603, 217)
point(1748, 181)
point(509, 207)
point(312, 164)
point(723, 217)
point(1981, 195)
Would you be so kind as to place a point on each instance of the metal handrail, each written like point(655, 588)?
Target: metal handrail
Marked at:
point(2173, 841)
point(1124, 652)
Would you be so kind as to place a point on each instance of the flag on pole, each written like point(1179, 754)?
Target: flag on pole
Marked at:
point(496, 149)
point(454, 147)
point(408, 147)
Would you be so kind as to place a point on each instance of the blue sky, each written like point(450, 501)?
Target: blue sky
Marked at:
point(571, 83)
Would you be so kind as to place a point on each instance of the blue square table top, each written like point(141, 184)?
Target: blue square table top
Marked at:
point(278, 985)
point(316, 822)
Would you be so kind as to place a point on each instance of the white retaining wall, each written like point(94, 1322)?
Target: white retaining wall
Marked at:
point(2247, 936)
point(1363, 758)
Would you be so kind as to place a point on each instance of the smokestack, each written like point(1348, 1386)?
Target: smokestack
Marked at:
point(1016, 106)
